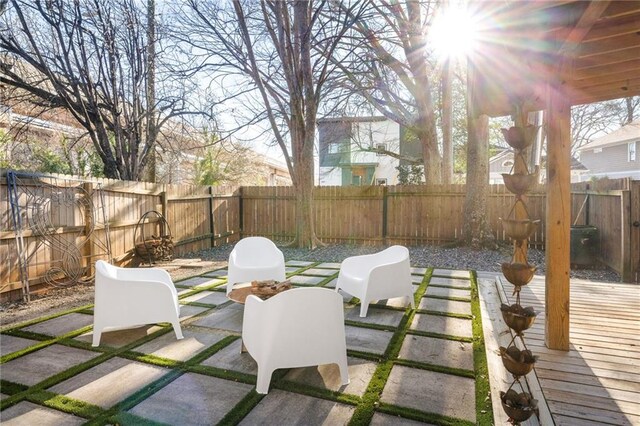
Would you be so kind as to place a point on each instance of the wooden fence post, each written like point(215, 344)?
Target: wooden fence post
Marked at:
point(211, 219)
point(385, 195)
point(88, 223)
point(625, 236)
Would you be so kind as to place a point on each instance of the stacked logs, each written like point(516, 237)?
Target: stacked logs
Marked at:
point(516, 358)
point(268, 288)
point(156, 248)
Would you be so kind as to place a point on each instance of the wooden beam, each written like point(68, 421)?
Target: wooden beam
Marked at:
point(631, 67)
point(606, 92)
point(558, 218)
point(598, 47)
point(608, 58)
point(588, 19)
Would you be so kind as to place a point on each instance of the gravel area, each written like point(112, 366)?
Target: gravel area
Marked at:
point(60, 299)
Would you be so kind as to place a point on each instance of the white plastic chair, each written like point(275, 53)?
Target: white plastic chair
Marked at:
point(126, 298)
point(301, 327)
point(255, 258)
point(378, 276)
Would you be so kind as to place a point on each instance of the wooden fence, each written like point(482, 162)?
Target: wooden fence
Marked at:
point(201, 217)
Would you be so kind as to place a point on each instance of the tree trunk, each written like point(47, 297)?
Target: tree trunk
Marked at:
point(476, 230)
point(305, 222)
point(447, 131)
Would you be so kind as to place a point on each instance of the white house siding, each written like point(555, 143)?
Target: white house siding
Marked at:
point(610, 161)
point(330, 176)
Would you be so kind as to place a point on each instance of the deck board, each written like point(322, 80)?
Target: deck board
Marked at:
point(598, 380)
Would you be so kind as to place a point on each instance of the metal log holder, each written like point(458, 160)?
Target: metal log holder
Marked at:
point(153, 248)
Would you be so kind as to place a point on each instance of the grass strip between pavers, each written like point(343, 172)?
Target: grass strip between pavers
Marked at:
point(64, 403)
point(241, 409)
point(371, 326)
point(440, 336)
point(308, 390)
point(444, 314)
point(455, 299)
point(484, 408)
point(124, 418)
point(436, 367)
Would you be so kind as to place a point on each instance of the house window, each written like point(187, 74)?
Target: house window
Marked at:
point(381, 181)
point(381, 148)
point(335, 147)
point(632, 151)
point(597, 150)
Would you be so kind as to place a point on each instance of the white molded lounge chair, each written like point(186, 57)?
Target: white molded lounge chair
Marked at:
point(255, 258)
point(378, 276)
point(129, 297)
point(301, 327)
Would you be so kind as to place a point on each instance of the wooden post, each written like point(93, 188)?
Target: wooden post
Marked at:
point(88, 224)
point(625, 233)
point(211, 218)
point(558, 219)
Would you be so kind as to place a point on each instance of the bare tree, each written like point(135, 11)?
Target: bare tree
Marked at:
point(91, 57)
point(275, 57)
point(388, 63)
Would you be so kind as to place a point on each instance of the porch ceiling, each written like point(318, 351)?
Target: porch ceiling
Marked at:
point(592, 47)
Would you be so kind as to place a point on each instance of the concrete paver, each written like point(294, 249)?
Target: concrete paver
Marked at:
point(120, 338)
point(431, 350)
point(300, 263)
point(329, 265)
point(200, 281)
point(230, 358)
point(444, 305)
point(46, 362)
point(451, 282)
point(27, 413)
point(433, 392)
point(321, 272)
point(194, 342)
point(417, 279)
point(208, 297)
point(418, 271)
point(374, 316)
point(367, 339)
point(290, 269)
point(187, 311)
point(225, 318)
point(61, 325)
point(452, 273)
point(381, 419)
point(442, 325)
point(328, 376)
point(192, 399)
point(304, 280)
point(285, 408)
point(10, 344)
point(109, 382)
point(448, 292)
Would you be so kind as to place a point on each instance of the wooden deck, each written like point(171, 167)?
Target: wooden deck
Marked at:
point(598, 381)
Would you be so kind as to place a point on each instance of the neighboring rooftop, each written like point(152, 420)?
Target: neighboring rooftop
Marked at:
point(626, 133)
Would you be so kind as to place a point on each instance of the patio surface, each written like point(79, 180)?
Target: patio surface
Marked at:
point(406, 367)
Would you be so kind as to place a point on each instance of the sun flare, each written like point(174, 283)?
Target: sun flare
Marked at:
point(453, 33)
